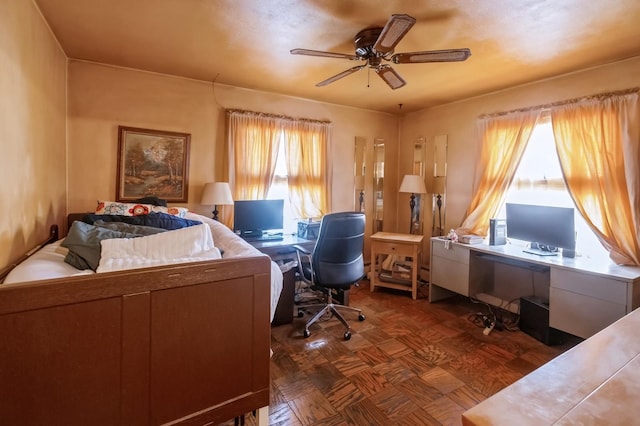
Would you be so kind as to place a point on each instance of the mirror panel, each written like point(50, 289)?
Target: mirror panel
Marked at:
point(359, 173)
point(438, 184)
point(378, 184)
point(419, 162)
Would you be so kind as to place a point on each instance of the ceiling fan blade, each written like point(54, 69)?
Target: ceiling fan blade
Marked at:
point(390, 76)
point(340, 75)
point(309, 52)
point(449, 55)
point(395, 28)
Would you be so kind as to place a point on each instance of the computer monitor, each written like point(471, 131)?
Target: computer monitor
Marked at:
point(546, 228)
point(253, 217)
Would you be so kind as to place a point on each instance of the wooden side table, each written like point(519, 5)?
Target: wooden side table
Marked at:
point(396, 244)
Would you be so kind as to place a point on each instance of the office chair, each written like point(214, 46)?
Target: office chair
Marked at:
point(335, 264)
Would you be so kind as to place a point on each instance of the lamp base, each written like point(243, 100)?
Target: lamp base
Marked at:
point(215, 212)
point(412, 205)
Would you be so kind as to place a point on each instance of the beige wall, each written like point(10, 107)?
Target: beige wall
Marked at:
point(32, 129)
point(103, 97)
point(457, 120)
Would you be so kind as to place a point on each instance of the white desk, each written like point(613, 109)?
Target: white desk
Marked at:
point(585, 295)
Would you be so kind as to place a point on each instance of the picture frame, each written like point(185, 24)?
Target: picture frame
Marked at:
point(152, 163)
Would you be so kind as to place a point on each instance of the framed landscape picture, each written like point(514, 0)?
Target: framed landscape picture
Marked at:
point(152, 163)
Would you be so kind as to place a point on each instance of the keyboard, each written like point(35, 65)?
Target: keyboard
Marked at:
point(264, 237)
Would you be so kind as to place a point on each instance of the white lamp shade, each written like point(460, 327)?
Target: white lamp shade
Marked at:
point(216, 193)
point(413, 184)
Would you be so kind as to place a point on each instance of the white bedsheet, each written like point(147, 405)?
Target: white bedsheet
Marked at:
point(46, 263)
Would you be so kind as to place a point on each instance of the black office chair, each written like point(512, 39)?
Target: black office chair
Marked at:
point(335, 264)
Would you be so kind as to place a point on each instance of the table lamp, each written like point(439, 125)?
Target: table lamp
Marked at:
point(215, 194)
point(413, 184)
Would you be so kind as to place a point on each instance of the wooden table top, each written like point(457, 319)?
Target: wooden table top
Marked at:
point(396, 237)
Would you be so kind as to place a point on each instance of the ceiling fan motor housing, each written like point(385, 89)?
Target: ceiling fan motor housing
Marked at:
point(365, 40)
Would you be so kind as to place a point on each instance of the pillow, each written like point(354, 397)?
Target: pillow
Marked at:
point(154, 201)
point(156, 220)
point(136, 209)
point(83, 242)
point(141, 230)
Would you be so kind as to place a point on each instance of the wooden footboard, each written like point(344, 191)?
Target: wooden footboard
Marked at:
point(182, 344)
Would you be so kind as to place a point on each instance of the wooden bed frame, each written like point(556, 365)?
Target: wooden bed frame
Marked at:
point(179, 344)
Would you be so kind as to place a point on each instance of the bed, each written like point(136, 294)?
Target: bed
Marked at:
point(179, 343)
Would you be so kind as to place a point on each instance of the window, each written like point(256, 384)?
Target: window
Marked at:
point(276, 157)
point(538, 180)
point(279, 190)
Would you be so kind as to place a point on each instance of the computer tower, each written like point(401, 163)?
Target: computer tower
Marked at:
point(534, 320)
point(497, 232)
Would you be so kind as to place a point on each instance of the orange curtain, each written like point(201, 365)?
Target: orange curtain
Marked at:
point(503, 141)
point(253, 141)
point(307, 172)
point(598, 143)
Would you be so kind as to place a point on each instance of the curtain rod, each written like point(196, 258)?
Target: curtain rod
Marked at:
point(598, 96)
point(282, 117)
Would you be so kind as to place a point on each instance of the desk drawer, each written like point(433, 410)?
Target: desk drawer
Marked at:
point(590, 285)
point(393, 248)
point(581, 315)
point(455, 252)
point(449, 274)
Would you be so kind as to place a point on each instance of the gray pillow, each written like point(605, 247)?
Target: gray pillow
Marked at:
point(141, 230)
point(83, 242)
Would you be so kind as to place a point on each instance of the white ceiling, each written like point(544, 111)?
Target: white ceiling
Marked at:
point(246, 43)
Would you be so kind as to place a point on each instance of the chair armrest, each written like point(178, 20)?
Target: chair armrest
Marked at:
point(302, 249)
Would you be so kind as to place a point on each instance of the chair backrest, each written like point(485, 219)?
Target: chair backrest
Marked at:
point(337, 257)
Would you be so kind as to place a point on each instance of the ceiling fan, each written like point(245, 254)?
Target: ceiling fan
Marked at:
point(373, 45)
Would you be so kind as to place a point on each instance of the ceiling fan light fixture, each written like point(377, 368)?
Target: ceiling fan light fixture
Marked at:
point(393, 32)
point(390, 76)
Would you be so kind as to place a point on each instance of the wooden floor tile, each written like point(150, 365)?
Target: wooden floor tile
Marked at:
point(312, 407)
point(410, 362)
point(394, 404)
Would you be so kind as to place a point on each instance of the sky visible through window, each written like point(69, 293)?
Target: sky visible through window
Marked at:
point(279, 190)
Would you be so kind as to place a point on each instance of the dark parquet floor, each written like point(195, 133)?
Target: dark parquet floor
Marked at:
point(409, 363)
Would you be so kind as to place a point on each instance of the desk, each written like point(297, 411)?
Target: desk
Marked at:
point(282, 251)
point(585, 295)
point(396, 244)
point(594, 383)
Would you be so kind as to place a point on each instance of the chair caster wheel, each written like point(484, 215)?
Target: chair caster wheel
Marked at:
point(361, 317)
point(307, 333)
point(347, 335)
point(300, 314)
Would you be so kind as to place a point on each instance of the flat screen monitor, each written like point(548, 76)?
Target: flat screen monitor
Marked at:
point(253, 217)
point(546, 228)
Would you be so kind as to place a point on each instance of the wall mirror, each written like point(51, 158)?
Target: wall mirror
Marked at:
point(378, 184)
point(419, 161)
point(437, 184)
point(359, 172)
